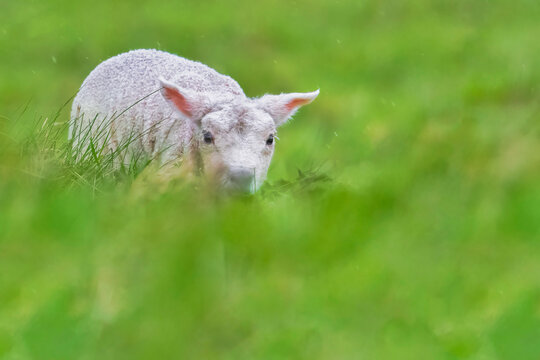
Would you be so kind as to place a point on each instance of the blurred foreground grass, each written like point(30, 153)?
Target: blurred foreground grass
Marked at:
point(401, 219)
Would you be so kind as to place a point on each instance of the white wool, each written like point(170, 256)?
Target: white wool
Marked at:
point(122, 99)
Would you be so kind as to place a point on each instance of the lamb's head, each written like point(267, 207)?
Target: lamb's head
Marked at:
point(234, 136)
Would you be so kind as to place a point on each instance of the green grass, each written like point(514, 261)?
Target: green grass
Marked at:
point(400, 220)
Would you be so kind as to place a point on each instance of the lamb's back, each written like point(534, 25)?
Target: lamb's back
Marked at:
point(125, 79)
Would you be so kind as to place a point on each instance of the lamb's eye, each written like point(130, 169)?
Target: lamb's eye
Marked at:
point(270, 140)
point(208, 137)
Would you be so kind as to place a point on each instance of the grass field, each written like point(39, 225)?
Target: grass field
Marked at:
point(400, 220)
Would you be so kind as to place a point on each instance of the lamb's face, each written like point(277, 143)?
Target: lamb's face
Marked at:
point(235, 134)
point(236, 145)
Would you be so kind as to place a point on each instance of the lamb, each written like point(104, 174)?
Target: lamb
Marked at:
point(171, 109)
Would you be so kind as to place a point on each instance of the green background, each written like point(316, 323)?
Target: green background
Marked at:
point(401, 218)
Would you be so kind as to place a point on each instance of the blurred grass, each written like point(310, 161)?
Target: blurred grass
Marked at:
point(401, 218)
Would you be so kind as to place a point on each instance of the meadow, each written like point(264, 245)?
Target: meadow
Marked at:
point(400, 219)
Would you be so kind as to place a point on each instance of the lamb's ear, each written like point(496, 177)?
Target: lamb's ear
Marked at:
point(282, 107)
point(190, 104)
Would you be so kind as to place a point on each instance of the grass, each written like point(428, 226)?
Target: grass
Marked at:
point(401, 216)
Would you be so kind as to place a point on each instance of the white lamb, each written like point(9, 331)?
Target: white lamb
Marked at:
point(169, 108)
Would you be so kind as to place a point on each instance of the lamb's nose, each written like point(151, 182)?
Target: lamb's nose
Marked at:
point(242, 177)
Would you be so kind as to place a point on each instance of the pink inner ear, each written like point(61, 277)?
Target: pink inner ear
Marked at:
point(296, 103)
point(179, 100)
